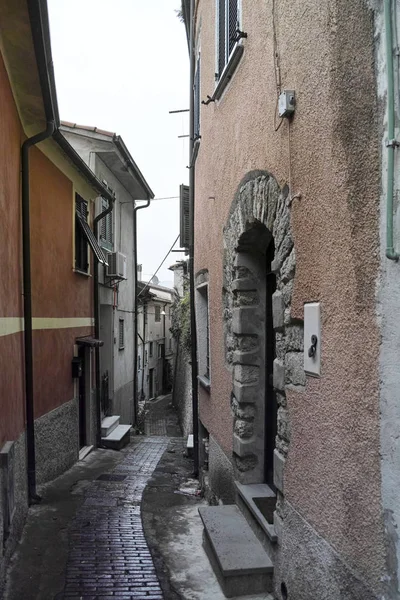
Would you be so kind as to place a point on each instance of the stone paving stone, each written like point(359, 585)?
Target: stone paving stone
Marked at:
point(109, 556)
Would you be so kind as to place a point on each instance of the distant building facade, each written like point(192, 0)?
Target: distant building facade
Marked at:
point(155, 350)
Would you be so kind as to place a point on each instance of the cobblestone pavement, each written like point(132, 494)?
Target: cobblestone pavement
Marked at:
point(109, 556)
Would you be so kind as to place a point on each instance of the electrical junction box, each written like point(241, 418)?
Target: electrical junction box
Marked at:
point(312, 339)
point(286, 103)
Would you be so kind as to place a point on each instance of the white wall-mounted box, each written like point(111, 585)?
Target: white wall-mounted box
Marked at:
point(312, 339)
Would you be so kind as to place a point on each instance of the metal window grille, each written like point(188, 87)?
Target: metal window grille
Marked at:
point(221, 37)
point(121, 336)
point(157, 314)
point(227, 25)
point(232, 24)
point(81, 247)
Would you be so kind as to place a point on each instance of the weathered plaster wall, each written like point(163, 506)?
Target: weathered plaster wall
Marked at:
point(11, 349)
point(326, 51)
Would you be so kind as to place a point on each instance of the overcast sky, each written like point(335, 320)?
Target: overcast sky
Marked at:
point(121, 65)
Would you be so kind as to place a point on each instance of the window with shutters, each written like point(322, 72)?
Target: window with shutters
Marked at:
point(228, 41)
point(184, 216)
point(106, 227)
point(121, 335)
point(157, 313)
point(81, 245)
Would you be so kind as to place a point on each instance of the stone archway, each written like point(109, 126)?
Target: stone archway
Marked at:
point(258, 224)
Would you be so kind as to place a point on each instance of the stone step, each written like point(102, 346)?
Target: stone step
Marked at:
point(118, 438)
point(257, 502)
point(108, 425)
point(239, 561)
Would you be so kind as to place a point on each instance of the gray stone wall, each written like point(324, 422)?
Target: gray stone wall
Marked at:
point(8, 544)
point(182, 389)
point(259, 216)
point(57, 444)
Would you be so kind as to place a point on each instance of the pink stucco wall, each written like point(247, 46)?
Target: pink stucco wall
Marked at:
point(332, 476)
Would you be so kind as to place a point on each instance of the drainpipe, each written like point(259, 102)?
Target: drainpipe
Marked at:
point(391, 141)
point(135, 313)
point(144, 344)
point(27, 281)
point(193, 332)
point(97, 320)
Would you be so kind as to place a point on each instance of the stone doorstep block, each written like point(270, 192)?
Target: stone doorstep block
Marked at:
point(237, 550)
point(278, 310)
point(108, 425)
point(246, 358)
point(244, 321)
point(279, 467)
point(247, 284)
point(246, 394)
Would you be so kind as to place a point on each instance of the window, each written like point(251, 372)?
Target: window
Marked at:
point(84, 236)
point(170, 344)
point(145, 358)
point(151, 349)
point(197, 104)
point(160, 350)
point(81, 246)
point(203, 335)
point(138, 361)
point(228, 48)
point(121, 336)
point(106, 227)
point(157, 313)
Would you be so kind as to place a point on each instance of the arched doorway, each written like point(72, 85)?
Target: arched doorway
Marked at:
point(258, 242)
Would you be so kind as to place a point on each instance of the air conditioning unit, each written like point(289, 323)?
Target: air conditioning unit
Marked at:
point(116, 265)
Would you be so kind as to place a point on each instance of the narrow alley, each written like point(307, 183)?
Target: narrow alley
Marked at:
point(116, 525)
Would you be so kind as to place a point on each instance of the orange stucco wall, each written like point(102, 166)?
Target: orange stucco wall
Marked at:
point(332, 474)
point(11, 353)
point(57, 291)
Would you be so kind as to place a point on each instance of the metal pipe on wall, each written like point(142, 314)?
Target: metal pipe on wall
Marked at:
point(195, 407)
point(27, 283)
point(135, 322)
point(391, 143)
point(97, 320)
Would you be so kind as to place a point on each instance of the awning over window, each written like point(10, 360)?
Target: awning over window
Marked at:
point(91, 240)
point(89, 341)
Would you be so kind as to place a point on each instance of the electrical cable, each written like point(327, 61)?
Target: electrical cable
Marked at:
point(159, 267)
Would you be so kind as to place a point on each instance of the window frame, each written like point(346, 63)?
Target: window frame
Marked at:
point(81, 246)
point(157, 313)
point(231, 56)
point(203, 327)
point(106, 233)
point(150, 349)
point(121, 334)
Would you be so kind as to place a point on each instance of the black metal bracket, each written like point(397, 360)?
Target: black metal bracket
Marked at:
point(239, 36)
point(207, 102)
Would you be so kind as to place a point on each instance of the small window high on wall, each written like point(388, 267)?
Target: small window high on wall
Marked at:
point(203, 335)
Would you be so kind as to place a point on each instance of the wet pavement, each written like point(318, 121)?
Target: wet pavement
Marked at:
point(120, 525)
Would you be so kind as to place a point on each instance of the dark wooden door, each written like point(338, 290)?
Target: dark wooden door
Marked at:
point(270, 396)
